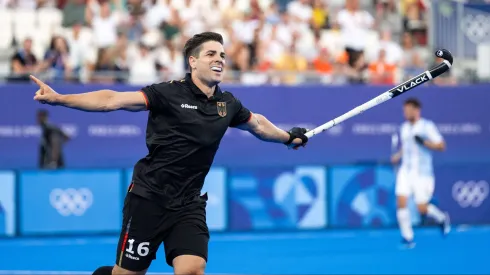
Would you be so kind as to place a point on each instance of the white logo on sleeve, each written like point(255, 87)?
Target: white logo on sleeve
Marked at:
point(187, 106)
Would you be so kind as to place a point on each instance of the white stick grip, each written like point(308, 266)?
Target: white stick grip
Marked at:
point(354, 112)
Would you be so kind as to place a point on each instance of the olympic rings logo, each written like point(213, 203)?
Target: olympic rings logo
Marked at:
point(71, 201)
point(470, 193)
point(476, 27)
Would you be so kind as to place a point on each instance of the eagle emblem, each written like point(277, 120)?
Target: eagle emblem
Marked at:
point(221, 108)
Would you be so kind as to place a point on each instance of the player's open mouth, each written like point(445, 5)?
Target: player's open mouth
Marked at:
point(217, 69)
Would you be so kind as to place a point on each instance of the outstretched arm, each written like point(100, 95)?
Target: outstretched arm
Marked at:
point(395, 158)
point(104, 101)
point(439, 145)
point(265, 130)
point(96, 101)
point(433, 140)
point(436, 146)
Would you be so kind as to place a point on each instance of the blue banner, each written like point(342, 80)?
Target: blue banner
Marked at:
point(70, 202)
point(362, 196)
point(7, 204)
point(117, 139)
point(278, 198)
point(463, 191)
point(217, 206)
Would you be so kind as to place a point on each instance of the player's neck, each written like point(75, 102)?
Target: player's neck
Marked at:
point(204, 87)
point(414, 120)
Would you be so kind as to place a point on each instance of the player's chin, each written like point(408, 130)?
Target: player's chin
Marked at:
point(217, 76)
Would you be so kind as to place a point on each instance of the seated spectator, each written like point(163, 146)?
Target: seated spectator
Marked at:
point(274, 47)
point(255, 10)
point(231, 13)
point(105, 68)
point(415, 22)
point(171, 27)
point(412, 58)
point(79, 49)
point(355, 73)
point(104, 23)
point(120, 53)
point(171, 62)
point(215, 21)
point(143, 67)
point(57, 59)
point(354, 24)
point(259, 72)
point(290, 64)
point(135, 26)
point(394, 53)
point(238, 53)
point(320, 15)
point(272, 14)
point(389, 18)
point(262, 62)
point(23, 62)
point(301, 12)
point(156, 14)
point(380, 71)
point(323, 63)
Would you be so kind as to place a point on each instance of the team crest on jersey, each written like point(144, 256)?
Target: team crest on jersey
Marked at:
point(221, 108)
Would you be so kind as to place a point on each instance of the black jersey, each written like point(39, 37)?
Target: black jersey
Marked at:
point(184, 131)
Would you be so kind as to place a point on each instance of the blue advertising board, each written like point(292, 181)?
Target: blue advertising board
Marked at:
point(117, 139)
point(464, 192)
point(7, 204)
point(53, 202)
point(278, 198)
point(362, 196)
point(217, 205)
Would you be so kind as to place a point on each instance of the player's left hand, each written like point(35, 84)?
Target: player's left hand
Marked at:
point(45, 94)
point(419, 140)
point(297, 137)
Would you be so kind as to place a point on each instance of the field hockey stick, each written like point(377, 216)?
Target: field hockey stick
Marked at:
point(394, 92)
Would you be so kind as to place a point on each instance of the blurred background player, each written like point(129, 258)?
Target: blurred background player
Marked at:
point(51, 143)
point(415, 176)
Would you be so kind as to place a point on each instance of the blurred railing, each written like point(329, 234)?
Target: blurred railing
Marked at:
point(251, 78)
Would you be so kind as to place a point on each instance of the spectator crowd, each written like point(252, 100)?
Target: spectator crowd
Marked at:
point(266, 41)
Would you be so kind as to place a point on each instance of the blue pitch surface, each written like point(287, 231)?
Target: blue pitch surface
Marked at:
point(464, 251)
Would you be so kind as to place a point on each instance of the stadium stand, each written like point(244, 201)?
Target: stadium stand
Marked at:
point(267, 41)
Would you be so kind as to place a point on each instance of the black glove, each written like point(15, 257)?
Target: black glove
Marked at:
point(419, 140)
point(297, 132)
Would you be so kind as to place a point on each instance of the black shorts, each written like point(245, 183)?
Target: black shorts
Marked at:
point(147, 224)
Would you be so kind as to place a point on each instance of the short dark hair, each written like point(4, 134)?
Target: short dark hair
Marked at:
point(414, 102)
point(193, 45)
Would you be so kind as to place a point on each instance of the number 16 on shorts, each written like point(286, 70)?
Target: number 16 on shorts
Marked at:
point(142, 250)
